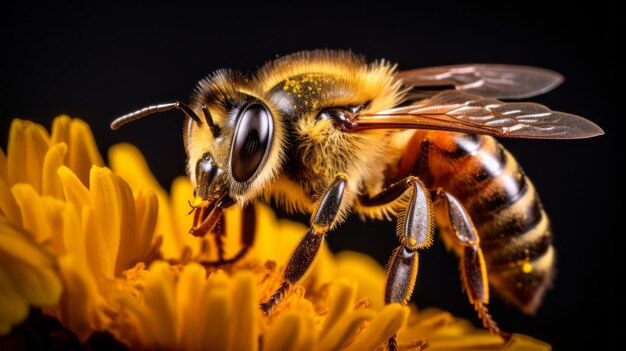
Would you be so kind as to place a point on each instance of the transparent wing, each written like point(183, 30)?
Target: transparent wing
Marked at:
point(492, 80)
point(458, 111)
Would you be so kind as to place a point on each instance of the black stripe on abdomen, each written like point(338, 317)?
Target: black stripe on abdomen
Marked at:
point(513, 228)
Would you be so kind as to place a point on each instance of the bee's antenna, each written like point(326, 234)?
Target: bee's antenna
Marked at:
point(193, 208)
point(125, 119)
point(215, 130)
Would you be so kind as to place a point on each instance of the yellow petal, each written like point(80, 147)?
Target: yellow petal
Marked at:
point(126, 161)
point(28, 143)
point(28, 275)
point(41, 215)
point(243, 333)
point(232, 238)
point(134, 323)
point(430, 322)
point(81, 302)
point(127, 229)
point(82, 150)
point(51, 185)
point(218, 280)
point(476, 339)
point(38, 285)
point(342, 296)
point(73, 234)
point(159, 300)
point(147, 207)
point(343, 329)
point(526, 343)
point(32, 210)
point(217, 317)
point(189, 291)
point(290, 331)
point(3, 165)
point(13, 307)
point(8, 206)
point(141, 323)
point(16, 243)
point(275, 239)
point(369, 275)
point(103, 247)
point(390, 319)
point(73, 189)
point(61, 130)
point(16, 152)
point(136, 246)
point(181, 192)
point(53, 214)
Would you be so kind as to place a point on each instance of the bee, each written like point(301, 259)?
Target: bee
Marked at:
point(326, 133)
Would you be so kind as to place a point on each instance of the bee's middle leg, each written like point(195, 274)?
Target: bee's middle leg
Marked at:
point(415, 232)
point(305, 253)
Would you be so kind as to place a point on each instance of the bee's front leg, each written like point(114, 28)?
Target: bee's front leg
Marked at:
point(415, 228)
point(306, 251)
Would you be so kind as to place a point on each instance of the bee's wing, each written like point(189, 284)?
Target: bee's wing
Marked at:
point(458, 111)
point(492, 80)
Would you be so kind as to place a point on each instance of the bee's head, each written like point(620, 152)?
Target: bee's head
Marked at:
point(237, 147)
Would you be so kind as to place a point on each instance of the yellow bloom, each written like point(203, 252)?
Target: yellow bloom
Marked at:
point(68, 223)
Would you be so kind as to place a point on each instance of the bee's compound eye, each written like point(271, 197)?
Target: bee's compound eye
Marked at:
point(251, 141)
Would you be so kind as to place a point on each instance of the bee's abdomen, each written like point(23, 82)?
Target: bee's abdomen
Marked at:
point(514, 229)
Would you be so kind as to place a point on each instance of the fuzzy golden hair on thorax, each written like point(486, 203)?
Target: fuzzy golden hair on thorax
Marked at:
point(303, 84)
point(351, 79)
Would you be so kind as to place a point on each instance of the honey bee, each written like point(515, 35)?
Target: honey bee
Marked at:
point(326, 133)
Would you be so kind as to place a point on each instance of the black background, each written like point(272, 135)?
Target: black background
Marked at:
point(99, 61)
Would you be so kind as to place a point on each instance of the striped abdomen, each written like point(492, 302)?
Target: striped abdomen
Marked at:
point(513, 228)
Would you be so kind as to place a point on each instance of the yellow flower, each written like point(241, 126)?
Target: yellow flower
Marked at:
point(97, 227)
point(76, 239)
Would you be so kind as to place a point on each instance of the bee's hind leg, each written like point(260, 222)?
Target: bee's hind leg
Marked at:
point(415, 228)
point(305, 253)
point(472, 265)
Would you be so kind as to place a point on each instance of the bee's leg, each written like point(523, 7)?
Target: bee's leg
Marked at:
point(306, 251)
point(415, 232)
point(248, 229)
point(218, 236)
point(472, 265)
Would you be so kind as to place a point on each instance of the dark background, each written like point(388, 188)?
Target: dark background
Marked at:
point(99, 61)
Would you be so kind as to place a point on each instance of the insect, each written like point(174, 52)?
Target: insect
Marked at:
point(325, 133)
